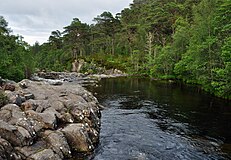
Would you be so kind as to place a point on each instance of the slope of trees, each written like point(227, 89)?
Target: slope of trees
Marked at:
point(181, 39)
point(16, 61)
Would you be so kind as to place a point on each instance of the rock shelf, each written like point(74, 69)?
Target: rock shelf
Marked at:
point(48, 120)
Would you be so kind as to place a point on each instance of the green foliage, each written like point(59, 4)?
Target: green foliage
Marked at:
point(181, 39)
point(222, 81)
point(164, 63)
point(16, 62)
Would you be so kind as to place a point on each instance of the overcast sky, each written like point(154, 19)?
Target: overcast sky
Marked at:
point(35, 19)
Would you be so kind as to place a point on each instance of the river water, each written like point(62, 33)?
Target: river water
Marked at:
point(148, 120)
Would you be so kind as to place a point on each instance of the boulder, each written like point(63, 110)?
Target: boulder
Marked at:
point(58, 143)
point(47, 119)
point(77, 137)
point(66, 118)
point(25, 83)
point(77, 112)
point(37, 126)
point(5, 149)
point(57, 105)
point(84, 113)
point(11, 113)
point(93, 135)
point(37, 105)
point(28, 151)
point(14, 98)
point(46, 154)
point(28, 125)
point(16, 135)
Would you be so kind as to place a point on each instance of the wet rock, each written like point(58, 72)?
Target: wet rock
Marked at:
point(82, 113)
point(85, 113)
point(46, 154)
point(77, 137)
point(93, 134)
point(88, 97)
point(58, 143)
point(77, 112)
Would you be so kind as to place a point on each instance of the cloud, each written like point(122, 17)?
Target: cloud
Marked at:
point(35, 19)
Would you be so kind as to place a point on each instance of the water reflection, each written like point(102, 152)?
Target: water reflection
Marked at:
point(155, 120)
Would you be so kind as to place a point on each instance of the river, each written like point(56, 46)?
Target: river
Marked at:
point(148, 120)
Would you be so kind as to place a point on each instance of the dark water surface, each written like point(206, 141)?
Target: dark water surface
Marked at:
point(146, 119)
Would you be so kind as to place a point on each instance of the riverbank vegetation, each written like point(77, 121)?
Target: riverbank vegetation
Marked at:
point(188, 40)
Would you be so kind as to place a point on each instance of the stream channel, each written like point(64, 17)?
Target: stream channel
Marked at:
point(148, 120)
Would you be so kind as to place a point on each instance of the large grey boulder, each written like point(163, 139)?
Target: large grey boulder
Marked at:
point(16, 135)
point(78, 138)
point(58, 143)
point(46, 154)
point(28, 151)
point(11, 113)
point(47, 119)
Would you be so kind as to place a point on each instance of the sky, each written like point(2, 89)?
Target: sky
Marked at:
point(36, 19)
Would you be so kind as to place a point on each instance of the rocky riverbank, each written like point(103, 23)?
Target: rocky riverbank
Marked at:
point(48, 119)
